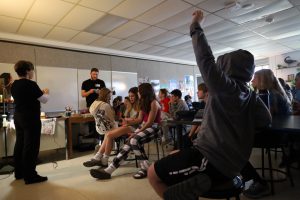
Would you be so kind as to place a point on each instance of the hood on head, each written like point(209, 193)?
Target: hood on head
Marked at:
point(238, 65)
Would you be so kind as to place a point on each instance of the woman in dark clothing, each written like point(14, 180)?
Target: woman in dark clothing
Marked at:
point(27, 97)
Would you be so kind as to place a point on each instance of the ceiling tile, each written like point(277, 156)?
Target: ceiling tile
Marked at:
point(138, 47)
point(9, 24)
point(85, 38)
point(163, 11)
point(247, 42)
point(212, 5)
point(292, 44)
point(102, 5)
point(220, 26)
point(185, 45)
point(225, 33)
point(123, 44)
point(269, 49)
point(162, 38)
point(295, 2)
point(61, 34)
point(127, 29)
point(71, 1)
point(75, 19)
point(234, 37)
point(208, 21)
point(178, 20)
point(147, 34)
point(106, 24)
point(279, 26)
point(286, 31)
point(194, 2)
point(42, 11)
point(104, 41)
point(15, 8)
point(152, 50)
point(127, 10)
point(176, 41)
point(167, 51)
point(34, 29)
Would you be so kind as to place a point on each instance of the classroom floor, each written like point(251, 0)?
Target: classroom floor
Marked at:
point(70, 180)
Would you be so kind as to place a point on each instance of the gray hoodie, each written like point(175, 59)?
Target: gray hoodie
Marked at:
point(232, 111)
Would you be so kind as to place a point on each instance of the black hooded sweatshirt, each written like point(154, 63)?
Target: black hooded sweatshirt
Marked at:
point(232, 111)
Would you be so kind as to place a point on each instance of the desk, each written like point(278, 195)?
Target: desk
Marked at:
point(179, 126)
point(73, 120)
point(286, 124)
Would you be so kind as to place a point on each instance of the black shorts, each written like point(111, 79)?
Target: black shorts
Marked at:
point(183, 165)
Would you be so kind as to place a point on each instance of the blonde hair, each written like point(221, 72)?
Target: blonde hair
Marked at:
point(103, 94)
point(266, 80)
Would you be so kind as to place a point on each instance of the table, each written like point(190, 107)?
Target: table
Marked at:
point(286, 124)
point(73, 120)
point(179, 126)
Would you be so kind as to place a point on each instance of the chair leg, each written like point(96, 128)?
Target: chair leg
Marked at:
point(157, 149)
point(288, 169)
point(262, 162)
point(271, 171)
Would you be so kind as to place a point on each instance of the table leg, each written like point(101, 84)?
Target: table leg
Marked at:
point(179, 136)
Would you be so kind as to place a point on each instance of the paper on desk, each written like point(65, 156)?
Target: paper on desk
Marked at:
point(48, 126)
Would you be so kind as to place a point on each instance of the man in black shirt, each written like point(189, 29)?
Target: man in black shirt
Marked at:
point(90, 88)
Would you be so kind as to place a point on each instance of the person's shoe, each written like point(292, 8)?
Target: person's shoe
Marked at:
point(257, 190)
point(36, 179)
point(94, 162)
point(100, 174)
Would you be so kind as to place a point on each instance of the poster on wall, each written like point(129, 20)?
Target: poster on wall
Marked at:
point(173, 85)
point(188, 85)
point(143, 80)
point(156, 86)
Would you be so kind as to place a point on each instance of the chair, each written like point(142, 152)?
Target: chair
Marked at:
point(157, 141)
point(268, 141)
point(192, 189)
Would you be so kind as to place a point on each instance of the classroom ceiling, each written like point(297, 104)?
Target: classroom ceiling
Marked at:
point(158, 27)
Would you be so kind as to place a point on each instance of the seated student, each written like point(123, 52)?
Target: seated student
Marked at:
point(286, 88)
point(296, 95)
point(202, 96)
point(129, 125)
point(265, 79)
point(279, 105)
point(224, 143)
point(165, 115)
point(149, 116)
point(188, 101)
point(126, 104)
point(176, 103)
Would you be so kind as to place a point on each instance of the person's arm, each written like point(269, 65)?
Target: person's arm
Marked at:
point(193, 130)
point(133, 121)
point(152, 116)
point(212, 75)
point(45, 97)
point(87, 93)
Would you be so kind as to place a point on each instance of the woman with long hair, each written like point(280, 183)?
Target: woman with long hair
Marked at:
point(279, 102)
point(149, 117)
point(129, 125)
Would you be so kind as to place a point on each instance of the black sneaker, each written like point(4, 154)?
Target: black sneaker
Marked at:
point(100, 174)
point(36, 179)
point(94, 162)
point(257, 190)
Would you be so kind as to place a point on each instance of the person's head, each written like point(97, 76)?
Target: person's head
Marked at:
point(238, 65)
point(176, 95)
point(202, 91)
point(297, 81)
point(283, 84)
point(265, 79)
point(126, 101)
point(104, 95)
point(7, 78)
point(188, 98)
point(24, 69)
point(94, 73)
point(133, 95)
point(147, 95)
point(163, 93)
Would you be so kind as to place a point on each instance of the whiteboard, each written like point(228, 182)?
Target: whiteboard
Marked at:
point(62, 84)
point(122, 82)
point(84, 74)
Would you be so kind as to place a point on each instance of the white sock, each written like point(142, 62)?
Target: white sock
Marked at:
point(105, 156)
point(110, 169)
point(104, 160)
point(98, 156)
point(145, 164)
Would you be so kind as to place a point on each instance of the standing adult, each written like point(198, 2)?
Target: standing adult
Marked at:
point(27, 97)
point(90, 88)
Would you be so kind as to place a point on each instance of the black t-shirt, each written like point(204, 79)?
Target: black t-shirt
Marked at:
point(26, 93)
point(92, 84)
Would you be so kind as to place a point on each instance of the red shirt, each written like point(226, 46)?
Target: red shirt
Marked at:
point(165, 104)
